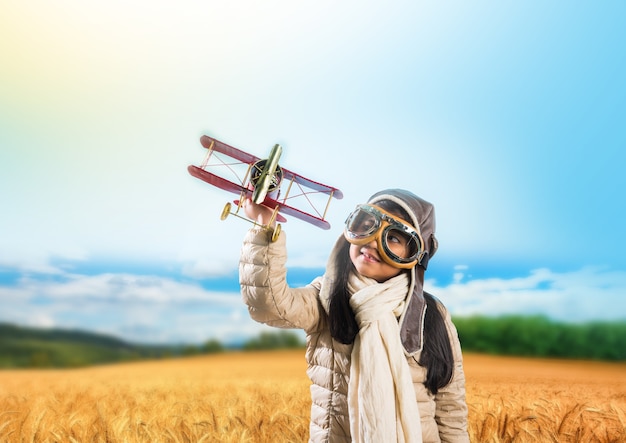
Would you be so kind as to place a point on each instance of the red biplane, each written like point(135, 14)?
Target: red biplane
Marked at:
point(265, 182)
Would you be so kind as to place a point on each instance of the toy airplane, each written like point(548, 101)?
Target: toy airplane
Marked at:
point(266, 183)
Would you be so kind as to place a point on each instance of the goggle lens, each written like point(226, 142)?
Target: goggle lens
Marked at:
point(362, 223)
point(400, 244)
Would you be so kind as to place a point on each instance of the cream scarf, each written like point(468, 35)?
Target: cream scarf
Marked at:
point(381, 397)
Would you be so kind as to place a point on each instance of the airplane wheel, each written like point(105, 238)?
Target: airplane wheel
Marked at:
point(225, 211)
point(276, 232)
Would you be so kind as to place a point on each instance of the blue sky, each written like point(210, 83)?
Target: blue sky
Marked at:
point(509, 117)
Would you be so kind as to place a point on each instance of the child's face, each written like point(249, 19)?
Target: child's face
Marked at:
point(398, 243)
point(368, 263)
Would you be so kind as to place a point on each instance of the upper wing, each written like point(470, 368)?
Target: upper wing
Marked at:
point(311, 184)
point(218, 146)
point(238, 154)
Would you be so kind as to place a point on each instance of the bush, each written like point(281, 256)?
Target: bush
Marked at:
point(274, 340)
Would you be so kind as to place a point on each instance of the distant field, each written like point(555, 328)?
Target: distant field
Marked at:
point(264, 397)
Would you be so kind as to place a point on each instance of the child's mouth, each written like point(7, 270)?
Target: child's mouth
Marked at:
point(369, 257)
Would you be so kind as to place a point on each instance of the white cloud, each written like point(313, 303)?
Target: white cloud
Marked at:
point(43, 320)
point(204, 268)
point(136, 307)
point(586, 294)
point(125, 288)
point(459, 273)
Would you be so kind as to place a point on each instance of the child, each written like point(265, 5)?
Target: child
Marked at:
point(383, 355)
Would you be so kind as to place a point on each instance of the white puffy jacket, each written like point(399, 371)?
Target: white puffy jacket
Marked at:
point(270, 300)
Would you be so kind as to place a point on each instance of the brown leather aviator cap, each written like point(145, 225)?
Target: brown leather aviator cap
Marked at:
point(422, 215)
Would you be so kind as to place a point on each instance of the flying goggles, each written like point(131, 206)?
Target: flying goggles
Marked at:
point(399, 244)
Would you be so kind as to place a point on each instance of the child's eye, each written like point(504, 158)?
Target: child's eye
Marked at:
point(396, 238)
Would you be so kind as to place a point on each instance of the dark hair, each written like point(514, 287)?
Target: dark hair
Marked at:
point(341, 319)
point(436, 354)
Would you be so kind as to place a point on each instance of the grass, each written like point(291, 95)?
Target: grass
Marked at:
point(264, 397)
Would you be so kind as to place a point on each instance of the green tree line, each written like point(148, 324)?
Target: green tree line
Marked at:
point(538, 336)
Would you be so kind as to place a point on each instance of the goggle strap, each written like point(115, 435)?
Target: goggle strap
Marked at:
point(424, 260)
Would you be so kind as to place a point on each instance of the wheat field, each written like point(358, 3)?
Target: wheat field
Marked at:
point(264, 397)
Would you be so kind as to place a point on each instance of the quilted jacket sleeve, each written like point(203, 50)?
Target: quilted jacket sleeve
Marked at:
point(263, 280)
point(451, 407)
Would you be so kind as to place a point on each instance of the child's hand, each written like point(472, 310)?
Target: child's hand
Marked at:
point(258, 213)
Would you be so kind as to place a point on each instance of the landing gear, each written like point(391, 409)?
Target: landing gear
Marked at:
point(275, 230)
point(225, 211)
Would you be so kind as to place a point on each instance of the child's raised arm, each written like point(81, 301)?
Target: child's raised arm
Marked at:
point(263, 278)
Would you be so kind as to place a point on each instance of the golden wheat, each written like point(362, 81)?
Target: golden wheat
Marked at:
point(534, 400)
point(264, 397)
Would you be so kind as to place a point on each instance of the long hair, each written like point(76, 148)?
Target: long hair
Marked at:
point(341, 319)
point(436, 355)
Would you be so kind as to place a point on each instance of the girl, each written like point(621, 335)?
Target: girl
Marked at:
point(383, 355)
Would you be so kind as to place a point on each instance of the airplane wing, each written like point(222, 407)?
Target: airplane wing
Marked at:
point(238, 154)
point(313, 185)
point(223, 148)
point(316, 221)
point(216, 180)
